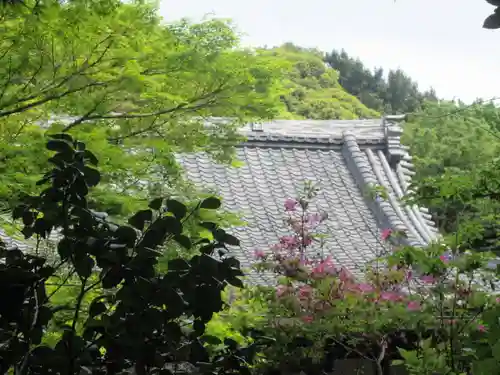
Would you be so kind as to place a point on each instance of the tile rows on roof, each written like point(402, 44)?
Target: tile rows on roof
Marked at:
point(273, 171)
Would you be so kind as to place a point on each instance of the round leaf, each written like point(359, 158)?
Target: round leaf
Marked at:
point(211, 203)
point(177, 208)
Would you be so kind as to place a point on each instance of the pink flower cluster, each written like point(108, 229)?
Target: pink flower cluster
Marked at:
point(306, 274)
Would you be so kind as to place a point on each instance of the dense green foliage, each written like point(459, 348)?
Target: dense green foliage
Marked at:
point(455, 151)
point(397, 93)
point(315, 92)
point(114, 76)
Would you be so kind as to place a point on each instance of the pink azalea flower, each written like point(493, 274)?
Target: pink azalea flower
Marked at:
point(324, 267)
point(365, 288)
point(481, 328)
point(497, 300)
point(344, 275)
point(307, 319)
point(314, 219)
point(289, 242)
point(428, 279)
point(444, 258)
point(281, 290)
point(259, 254)
point(386, 233)
point(390, 296)
point(307, 240)
point(291, 204)
point(413, 306)
point(305, 292)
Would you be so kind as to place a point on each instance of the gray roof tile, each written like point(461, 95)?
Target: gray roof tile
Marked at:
point(350, 155)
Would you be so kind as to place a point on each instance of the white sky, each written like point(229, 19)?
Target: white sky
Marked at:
point(439, 43)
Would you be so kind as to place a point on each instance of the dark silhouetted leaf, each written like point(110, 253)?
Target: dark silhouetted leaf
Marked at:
point(62, 136)
point(178, 265)
point(184, 241)
point(219, 235)
point(211, 203)
point(230, 343)
point(90, 157)
point(234, 281)
point(96, 308)
point(211, 340)
point(171, 224)
point(208, 225)
point(42, 227)
point(207, 249)
point(60, 145)
point(28, 217)
point(84, 265)
point(112, 277)
point(492, 21)
point(92, 176)
point(199, 327)
point(65, 248)
point(177, 208)
point(139, 219)
point(126, 235)
point(46, 272)
point(156, 203)
point(18, 211)
point(80, 146)
point(494, 2)
point(28, 232)
point(231, 240)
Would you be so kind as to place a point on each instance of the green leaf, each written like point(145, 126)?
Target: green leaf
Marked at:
point(211, 203)
point(178, 209)
point(155, 204)
point(139, 219)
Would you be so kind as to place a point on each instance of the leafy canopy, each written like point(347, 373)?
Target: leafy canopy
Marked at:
point(113, 75)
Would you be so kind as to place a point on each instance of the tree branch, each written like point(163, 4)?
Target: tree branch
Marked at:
point(184, 106)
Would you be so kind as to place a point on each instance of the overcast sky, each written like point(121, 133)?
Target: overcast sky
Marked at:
point(439, 43)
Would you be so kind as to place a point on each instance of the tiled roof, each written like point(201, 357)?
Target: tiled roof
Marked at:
point(343, 158)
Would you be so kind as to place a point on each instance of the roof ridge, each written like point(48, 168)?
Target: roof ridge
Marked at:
point(385, 131)
point(372, 168)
